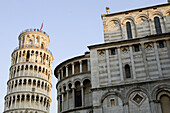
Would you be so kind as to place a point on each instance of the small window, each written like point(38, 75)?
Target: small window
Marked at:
point(112, 102)
point(136, 48)
point(157, 25)
point(161, 44)
point(42, 45)
point(127, 71)
point(129, 30)
point(113, 51)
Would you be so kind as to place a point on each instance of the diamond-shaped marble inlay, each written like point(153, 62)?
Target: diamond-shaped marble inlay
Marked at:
point(137, 98)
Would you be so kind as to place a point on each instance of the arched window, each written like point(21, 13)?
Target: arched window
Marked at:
point(87, 92)
point(42, 45)
point(127, 71)
point(157, 25)
point(165, 103)
point(129, 30)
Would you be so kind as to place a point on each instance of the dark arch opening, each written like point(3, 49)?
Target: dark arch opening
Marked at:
point(78, 97)
point(28, 56)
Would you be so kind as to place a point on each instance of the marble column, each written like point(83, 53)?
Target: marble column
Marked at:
point(126, 108)
point(108, 66)
point(67, 71)
point(62, 96)
point(132, 62)
point(61, 73)
point(120, 64)
point(72, 68)
point(80, 66)
point(67, 98)
point(59, 76)
point(145, 59)
point(82, 94)
point(88, 64)
point(73, 96)
point(157, 59)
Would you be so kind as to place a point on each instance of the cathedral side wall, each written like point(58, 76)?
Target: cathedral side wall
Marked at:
point(141, 21)
point(149, 66)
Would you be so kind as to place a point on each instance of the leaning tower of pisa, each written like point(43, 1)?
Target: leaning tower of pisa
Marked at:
point(29, 84)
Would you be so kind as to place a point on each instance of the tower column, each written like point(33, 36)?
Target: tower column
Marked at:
point(67, 71)
point(88, 64)
point(72, 68)
point(80, 66)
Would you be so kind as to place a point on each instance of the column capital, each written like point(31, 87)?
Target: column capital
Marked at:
point(142, 43)
point(81, 85)
point(80, 61)
point(118, 47)
point(73, 87)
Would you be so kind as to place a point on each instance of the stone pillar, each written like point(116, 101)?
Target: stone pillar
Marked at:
point(82, 94)
point(19, 105)
point(145, 59)
point(58, 104)
point(73, 96)
point(72, 68)
point(62, 101)
point(18, 57)
point(120, 64)
point(168, 47)
point(67, 71)
point(152, 106)
point(157, 59)
point(164, 29)
point(88, 64)
point(67, 98)
point(59, 76)
point(126, 108)
point(61, 73)
point(108, 66)
point(132, 62)
point(158, 107)
point(80, 66)
point(151, 26)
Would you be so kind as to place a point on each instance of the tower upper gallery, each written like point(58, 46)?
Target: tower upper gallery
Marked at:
point(34, 38)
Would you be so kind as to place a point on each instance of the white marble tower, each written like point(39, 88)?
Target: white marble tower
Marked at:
point(29, 84)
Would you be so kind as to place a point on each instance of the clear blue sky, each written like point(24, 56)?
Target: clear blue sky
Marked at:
point(71, 24)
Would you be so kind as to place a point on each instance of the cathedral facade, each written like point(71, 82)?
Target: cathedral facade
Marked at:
point(128, 73)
